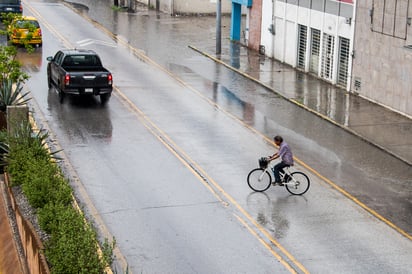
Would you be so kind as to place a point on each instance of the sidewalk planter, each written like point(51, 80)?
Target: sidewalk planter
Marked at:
point(72, 245)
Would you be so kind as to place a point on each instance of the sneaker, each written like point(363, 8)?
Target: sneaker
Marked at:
point(277, 183)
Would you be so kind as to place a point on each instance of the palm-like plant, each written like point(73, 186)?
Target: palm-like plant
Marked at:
point(11, 94)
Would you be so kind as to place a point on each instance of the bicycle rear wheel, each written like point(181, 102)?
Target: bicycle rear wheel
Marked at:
point(259, 180)
point(298, 184)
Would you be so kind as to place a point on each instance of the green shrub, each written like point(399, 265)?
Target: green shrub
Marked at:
point(72, 246)
point(47, 217)
point(47, 186)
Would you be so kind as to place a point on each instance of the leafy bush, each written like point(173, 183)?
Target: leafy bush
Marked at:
point(26, 153)
point(10, 68)
point(69, 234)
point(47, 186)
point(72, 246)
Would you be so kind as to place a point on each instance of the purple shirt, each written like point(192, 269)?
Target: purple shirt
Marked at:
point(285, 153)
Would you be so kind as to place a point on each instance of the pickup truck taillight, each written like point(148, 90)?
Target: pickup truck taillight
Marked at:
point(110, 79)
point(67, 79)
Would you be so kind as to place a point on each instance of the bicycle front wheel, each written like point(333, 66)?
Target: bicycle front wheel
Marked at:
point(259, 180)
point(298, 184)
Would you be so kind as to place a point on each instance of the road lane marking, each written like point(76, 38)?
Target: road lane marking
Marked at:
point(75, 178)
point(65, 42)
point(306, 166)
point(262, 241)
point(190, 164)
point(73, 175)
point(86, 42)
point(206, 180)
point(199, 173)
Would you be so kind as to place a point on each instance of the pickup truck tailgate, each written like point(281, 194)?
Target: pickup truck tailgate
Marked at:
point(89, 80)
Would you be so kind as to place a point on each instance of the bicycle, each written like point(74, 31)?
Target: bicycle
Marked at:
point(259, 179)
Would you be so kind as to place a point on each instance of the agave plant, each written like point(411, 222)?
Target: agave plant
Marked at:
point(11, 94)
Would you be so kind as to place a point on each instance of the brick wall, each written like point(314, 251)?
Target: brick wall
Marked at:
point(255, 25)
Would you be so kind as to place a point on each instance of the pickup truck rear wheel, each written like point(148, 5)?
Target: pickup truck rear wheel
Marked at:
point(104, 98)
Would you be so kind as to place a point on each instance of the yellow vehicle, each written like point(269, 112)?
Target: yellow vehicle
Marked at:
point(25, 30)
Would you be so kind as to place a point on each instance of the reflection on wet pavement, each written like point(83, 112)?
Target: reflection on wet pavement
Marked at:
point(338, 155)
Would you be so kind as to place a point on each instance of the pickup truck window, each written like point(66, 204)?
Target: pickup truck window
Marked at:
point(82, 60)
point(57, 58)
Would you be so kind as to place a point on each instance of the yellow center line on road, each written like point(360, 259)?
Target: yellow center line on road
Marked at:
point(197, 170)
point(262, 241)
point(206, 180)
point(179, 153)
point(65, 42)
point(303, 164)
point(70, 169)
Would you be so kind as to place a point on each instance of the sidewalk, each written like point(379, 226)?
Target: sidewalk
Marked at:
point(373, 123)
point(380, 126)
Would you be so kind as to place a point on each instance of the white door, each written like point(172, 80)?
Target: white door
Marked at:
point(290, 43)
point(327, 57)
point(278, 50)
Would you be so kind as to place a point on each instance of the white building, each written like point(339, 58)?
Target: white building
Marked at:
point(312, 35)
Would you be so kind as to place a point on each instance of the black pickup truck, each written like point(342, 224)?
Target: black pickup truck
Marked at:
point(79, 72)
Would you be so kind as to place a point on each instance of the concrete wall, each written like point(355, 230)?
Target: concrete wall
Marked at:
point(266, 36)
point(382, 66)
point(188, 6)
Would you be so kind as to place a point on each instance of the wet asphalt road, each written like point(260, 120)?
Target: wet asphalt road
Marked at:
point(165, 162)
point(372, 176)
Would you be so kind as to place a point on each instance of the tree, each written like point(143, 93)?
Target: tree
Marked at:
point(10, 68)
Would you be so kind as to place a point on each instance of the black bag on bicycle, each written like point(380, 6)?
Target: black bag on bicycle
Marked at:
point(263, 162)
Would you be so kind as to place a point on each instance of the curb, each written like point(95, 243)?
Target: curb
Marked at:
point(324, 117)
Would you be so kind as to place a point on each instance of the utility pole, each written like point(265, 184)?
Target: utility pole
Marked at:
point(218, 26)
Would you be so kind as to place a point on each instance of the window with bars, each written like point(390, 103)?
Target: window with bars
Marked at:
point(327, 56)
point(390, 17)
point(302, 37)
point(343, 60)
point(314, 51)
